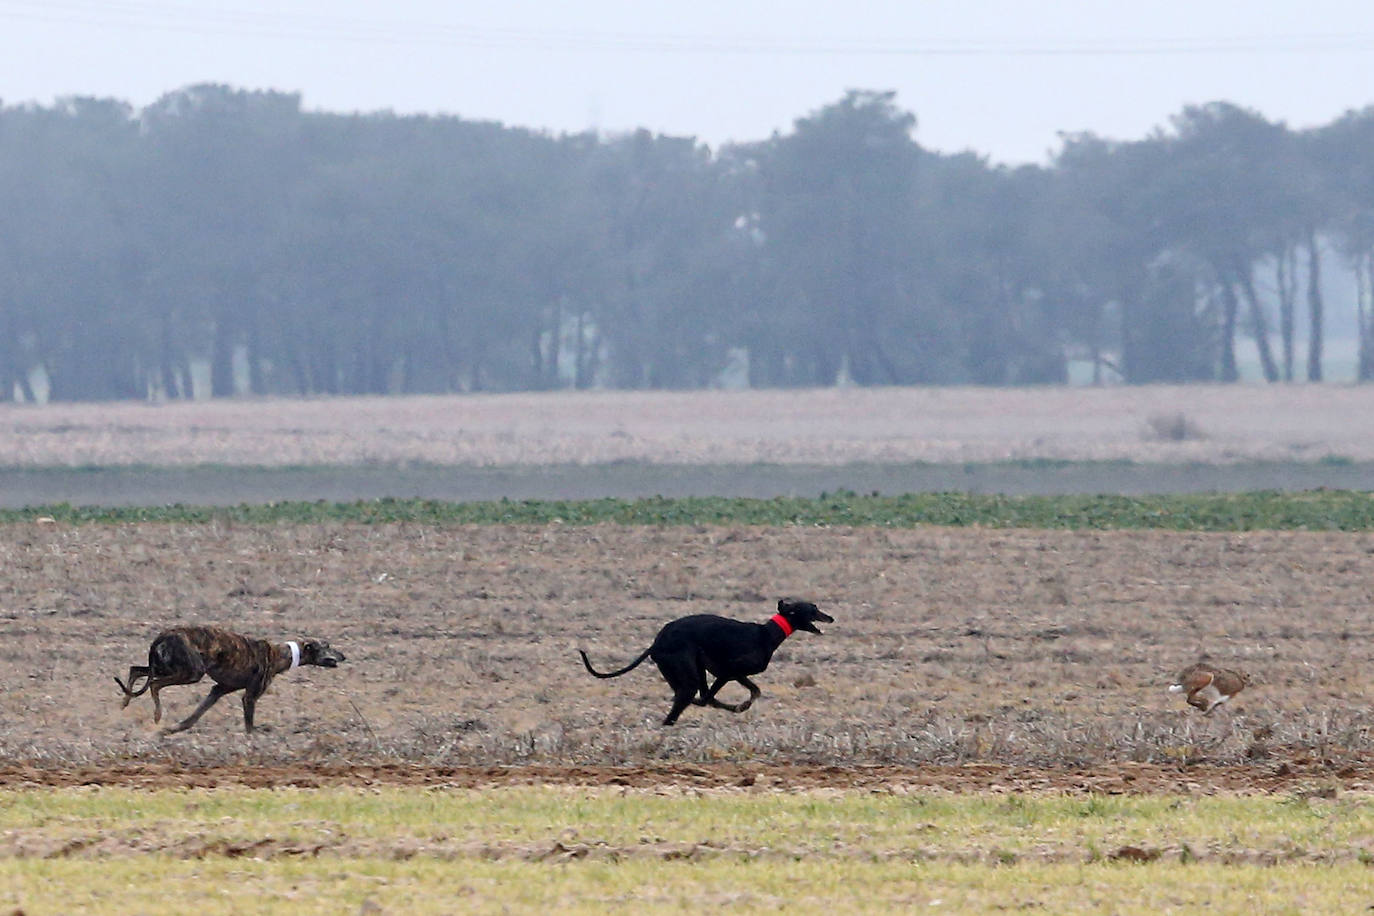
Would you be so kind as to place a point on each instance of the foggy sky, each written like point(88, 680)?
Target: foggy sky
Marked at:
point(1000, 77)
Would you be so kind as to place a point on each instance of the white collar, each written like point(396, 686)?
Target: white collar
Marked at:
point(295, 648)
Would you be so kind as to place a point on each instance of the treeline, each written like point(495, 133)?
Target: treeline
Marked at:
point(298, 252)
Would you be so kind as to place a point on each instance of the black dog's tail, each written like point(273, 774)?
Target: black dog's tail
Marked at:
point(634, 664)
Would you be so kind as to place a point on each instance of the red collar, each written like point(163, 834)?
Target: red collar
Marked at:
point(783, 625)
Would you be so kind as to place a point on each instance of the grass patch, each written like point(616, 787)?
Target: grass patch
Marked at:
point(570, 849)
point(1318, 510)
point(423, 887)
point(526, 821)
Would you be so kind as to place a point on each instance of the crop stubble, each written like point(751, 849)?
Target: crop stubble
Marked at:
point(959, 657)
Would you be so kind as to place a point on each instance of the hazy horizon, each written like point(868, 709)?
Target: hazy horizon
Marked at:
point(997, 77)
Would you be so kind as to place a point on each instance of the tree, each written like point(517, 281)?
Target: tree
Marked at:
point(68, 266)
point(1116, 258)
point(1344, 179)
point(1228, 200)
point(219, 165)
point(837, 217)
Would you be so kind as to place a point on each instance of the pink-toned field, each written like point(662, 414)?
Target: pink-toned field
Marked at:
point(832, 426)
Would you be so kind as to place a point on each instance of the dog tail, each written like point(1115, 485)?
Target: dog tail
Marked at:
point(586, 661)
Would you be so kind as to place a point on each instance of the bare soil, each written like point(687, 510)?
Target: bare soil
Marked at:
point(959, 658)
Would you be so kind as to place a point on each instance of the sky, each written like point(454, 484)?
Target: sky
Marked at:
point(1002, 78)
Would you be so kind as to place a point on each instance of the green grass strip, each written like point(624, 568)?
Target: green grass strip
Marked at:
point(417, 851)
point(1318, 510)
point(427, 887)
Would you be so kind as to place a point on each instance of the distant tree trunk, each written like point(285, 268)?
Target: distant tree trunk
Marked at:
point(1260, 324)
point(1365, 365)
point(222, 358)
point(299, 371)
point(9, 359)
point(879, 360)
point(1229, 307)
point(256, 384)
point(1285, 279)
point(451, 369)
point(16, 365)
point(406, 382)
point(476, 382)
point(379, 356)
point(584, 358)
point(555, 345)
point(580, 353)
point(167, 358)
point(327, 375)
point(1314, 308)
point(537, 356)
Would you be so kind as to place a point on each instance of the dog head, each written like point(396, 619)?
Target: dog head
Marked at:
point(319, 652)
point(803, 614)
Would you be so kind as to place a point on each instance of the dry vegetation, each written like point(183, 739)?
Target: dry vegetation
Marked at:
point(1009, 648)
point(579, 849)
point(832, 426)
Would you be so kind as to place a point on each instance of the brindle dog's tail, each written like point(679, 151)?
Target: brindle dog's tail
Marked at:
point(632, 665)
point(129, 691)
point(168, 653)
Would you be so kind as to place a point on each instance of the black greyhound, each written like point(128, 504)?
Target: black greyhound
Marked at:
point(686, 649)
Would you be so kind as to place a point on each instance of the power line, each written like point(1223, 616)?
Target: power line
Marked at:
point(286, 24)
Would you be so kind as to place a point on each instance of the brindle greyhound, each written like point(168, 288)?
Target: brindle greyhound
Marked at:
point(686, 649)
point(184, 655)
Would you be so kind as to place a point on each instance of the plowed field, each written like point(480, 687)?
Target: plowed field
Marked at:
point(958, 659)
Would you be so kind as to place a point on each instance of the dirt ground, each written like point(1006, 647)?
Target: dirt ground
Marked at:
point(958, 658)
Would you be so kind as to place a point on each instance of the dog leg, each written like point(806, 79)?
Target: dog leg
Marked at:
point(211, 699)
point(683, 676)
point(709, 697)
point(754, 693)
point(681, 700)
point(169, 680)
point(705, 696)
point(250, 703)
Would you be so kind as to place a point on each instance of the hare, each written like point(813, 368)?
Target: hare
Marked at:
point(1208, 685)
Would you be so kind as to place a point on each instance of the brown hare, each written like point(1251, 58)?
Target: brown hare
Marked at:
point(1208, 685)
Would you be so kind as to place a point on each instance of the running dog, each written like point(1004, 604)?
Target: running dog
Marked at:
point(686, 649)
point(184, 655)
